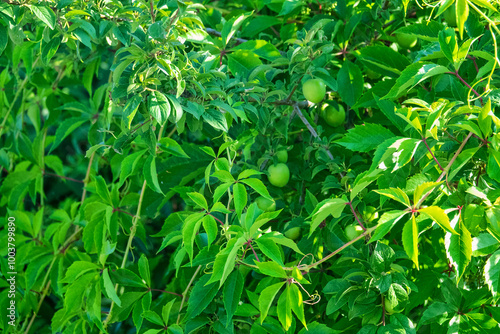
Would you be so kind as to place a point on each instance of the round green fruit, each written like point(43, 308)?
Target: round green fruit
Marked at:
point(450, 16)
point(282, 156)
point(314, 90)
point(265, 204)
point(353, 231)
point(406, 41)
point(279, 175)
point(293, 233)
point(370, 213)
point(333, 116)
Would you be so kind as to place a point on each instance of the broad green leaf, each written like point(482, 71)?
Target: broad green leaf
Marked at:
point(201, 296)
point(171, 146)
point(459, 246)
point(77, 269)
point(324, 209)
point(484, 244)
point(199, 199)
point(225, 260)
point(153, 317)
point(493, 168)
point(129, 165)
point(49, 49)
point(364, 138)
point(109, 287)
point(350, 83)
point(297, 303)
point(159, 107)
point(395, 194)
point(423, 189)
point(270, 249)
point(462, 8)
point(240, 198)
point(272, 269)
point(210, 227)
point(439, 216)
point(492, 273)
point(189, 231)
point(165, 311)
point(231, 26)
point(65, 129)
point(73, 298)
point(258, 186)
point(428, 30)
point(151, 175)
point(232, 294)
point(384, 60)
point(102, 189)
point(266, 298)
point(364, 182)
point(130, 109)
point(410, 240)
point(412, 76)
point(285, 309)
point(45, 14)
point(144, 269)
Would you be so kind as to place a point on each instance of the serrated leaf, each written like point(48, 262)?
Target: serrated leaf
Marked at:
point(199, 199)
point(272, 269)
point(266, 298)
point(410, 240)
point(325, 208)
point(364, 138)
point(459, 246)
point(439, 216)
point(110, 289)
point(395, 194)
point(151, 175)
point(232, 294)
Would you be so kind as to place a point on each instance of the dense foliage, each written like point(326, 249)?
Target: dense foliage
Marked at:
point(163, 172)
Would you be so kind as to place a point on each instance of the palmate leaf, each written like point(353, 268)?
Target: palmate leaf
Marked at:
point(266, 298)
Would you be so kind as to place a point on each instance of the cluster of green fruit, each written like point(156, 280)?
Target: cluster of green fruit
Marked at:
point(333, 113)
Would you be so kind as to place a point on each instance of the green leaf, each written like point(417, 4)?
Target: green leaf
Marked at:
point(131, 109)
point(366, 137)
point(159, 107)
point(144, 269)
point(151, 175)
point(65, 129)
point(201, 296)
point(4, 38)
point(272, 269)
point(297, 303)
point(350, 83)
point(231, 294)
point(423, 189)
point(484, 244)
point(459, 246)
point(448, 44)
point(225, 260)
point(412, 76)
point(73, 298)
point(261, 48)
point(210, 227)
point(410, 240)
point(240, 198)
point(45, 14)
point(242, 62)
point(462, 8)
point(386, 223)
point(231, 26)
point(324, 209)
point(395, 194)
point(270, 249)
point(266, 298)
point(189, 230)
point(492, 273)
point(171, 146)
point(102, 190)
point(285, 309)
point(384, 60)
point(129, 165)
point(364, 182)
point(493, 168)
point(49, 49)
point(110, 289)
point(428, 31)
point(199, 199)
point(77, 269)
point(258, 186)
point(439, 216)
point(153, 317)
point(165, 311)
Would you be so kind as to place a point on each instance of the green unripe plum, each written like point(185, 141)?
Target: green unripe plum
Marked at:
point(333, 116)
point(450, 16)
point(265, 204)
point(353, 231)
point(406, 41)
point(314, 90)
point(370, 213)
point(279, 175)
point(282, 156)
point(293, 233)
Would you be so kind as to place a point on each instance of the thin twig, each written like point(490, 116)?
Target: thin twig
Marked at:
point(184, 294)
point(356, 216)
point(429, 149)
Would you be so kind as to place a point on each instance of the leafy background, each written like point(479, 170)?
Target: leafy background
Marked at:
point(136, 138)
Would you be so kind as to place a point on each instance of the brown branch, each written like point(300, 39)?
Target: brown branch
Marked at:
point(62, 177)
point(356, 216)
point(429, 149)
